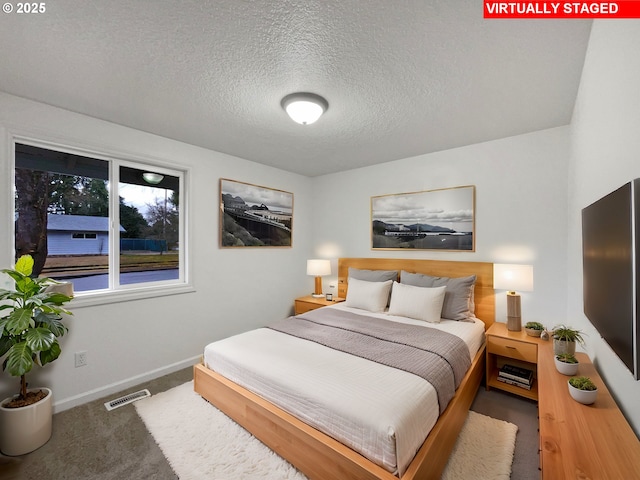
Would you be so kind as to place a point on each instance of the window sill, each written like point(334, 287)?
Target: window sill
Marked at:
point(107, 297)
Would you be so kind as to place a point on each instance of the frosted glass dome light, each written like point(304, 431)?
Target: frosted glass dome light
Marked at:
point(152, 178)
point(304, 108)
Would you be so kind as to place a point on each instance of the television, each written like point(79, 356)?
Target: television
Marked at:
point(610, 251)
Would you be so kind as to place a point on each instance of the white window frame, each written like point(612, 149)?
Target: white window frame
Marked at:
point(116, 292)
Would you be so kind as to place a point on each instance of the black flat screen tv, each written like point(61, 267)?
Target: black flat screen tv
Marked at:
point(610, 250)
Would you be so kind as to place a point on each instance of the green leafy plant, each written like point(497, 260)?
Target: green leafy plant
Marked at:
point(567, 358)
point(582, 383)
point(568, 334)
point(534, 326)
point(31, 322)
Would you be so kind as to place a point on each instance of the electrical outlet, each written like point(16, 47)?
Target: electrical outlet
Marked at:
point(81, 359)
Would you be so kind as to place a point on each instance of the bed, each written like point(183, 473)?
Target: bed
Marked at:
point(321, 456)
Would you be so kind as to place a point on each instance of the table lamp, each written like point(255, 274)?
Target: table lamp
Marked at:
point(318, 268)
point(512, 278)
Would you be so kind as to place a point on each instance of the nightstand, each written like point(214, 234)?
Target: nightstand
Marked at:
point(304, 304)
point(513, 348)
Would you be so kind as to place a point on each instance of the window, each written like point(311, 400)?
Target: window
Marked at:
point(84, 235)
point(106, 224)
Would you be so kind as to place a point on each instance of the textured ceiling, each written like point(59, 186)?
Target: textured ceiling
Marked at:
point(401, 78)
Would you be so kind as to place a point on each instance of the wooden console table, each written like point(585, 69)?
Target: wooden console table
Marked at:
point(582, 441)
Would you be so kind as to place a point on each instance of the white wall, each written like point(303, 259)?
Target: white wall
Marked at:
point(235, 289)
point(521, 206)
point(605, 155)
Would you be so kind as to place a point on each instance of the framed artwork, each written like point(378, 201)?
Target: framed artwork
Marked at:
point(441, 219)
point(254, 216)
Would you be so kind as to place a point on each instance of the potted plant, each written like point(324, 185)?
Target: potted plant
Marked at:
point(583, 390)
point(533, 329)
point(566, 364)
point(30, 323)
point(565, 338)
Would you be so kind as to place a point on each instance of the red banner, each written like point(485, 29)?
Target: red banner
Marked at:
point(582, 10)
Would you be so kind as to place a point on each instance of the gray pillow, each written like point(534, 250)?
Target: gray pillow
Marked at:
point(373, 275)
point(458, 298)
point(417, 279)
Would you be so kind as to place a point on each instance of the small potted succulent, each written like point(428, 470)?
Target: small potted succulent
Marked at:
point(565, 339)
point(566, 364)
point(583, 390)
point(533, 329)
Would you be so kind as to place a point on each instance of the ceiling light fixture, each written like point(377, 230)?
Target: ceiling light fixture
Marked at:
point(303, 107)
point(152, 178)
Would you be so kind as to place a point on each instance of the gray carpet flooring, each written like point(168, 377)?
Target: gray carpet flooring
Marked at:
point(90, 443)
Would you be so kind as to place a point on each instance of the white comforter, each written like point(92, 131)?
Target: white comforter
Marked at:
point(379, 411)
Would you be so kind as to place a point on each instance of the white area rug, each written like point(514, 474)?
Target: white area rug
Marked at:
point(200, 442)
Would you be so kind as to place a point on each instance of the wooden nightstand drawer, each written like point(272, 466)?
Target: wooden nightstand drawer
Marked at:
point(506, 347)
point(308, 303)
point(512, 348)
point(304, 307)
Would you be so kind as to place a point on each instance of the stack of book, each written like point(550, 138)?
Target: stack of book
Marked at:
point(520, 377)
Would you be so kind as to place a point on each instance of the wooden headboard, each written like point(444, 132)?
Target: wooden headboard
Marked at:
point(484, 296)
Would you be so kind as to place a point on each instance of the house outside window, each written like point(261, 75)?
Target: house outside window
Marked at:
point(83, 235)
point(102, 225)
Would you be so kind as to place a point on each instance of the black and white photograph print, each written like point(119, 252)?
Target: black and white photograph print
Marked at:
point(254, 216)
point(441, 219)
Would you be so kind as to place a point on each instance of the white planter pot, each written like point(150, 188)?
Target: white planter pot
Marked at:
point(562, 346)
point(586, 397)
point(566, 368)
point(25, 429)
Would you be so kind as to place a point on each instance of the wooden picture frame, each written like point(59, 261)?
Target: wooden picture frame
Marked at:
point(442, 219)
point(254, 216)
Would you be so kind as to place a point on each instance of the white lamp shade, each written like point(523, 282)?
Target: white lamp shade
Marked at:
point(318, 268)
point(513, 277)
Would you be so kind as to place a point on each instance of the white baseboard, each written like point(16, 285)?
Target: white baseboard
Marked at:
point(67, 403)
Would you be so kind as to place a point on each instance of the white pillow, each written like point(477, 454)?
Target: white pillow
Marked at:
point(371, 296)
point(421, 303)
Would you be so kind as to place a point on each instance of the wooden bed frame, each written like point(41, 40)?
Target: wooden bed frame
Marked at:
point(319, 456)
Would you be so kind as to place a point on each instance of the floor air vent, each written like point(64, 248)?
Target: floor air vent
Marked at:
point(130, 398)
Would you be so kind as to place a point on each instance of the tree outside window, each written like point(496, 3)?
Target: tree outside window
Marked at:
point(62, 197)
